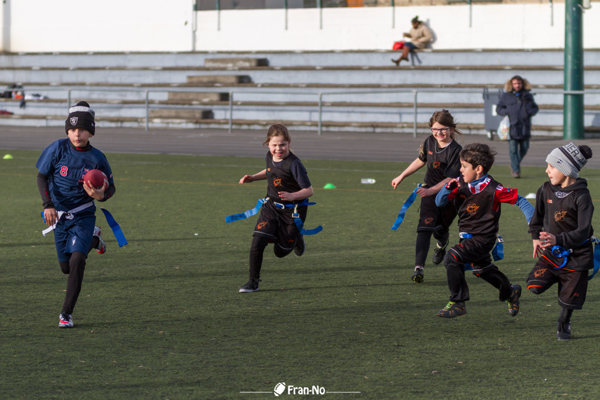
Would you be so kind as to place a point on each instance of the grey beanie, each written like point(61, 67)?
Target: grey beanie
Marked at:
point(569, 159)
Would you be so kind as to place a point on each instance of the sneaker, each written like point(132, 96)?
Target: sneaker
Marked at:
point(419, 275)
point(563, 331)
point(65, 320)
point(513, 301)
point(439, 253)
point(251, 286)
point(300, 246)
point(453, 309)
point(101, 248)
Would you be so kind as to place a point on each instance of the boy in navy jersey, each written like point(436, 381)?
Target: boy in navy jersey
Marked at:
point(287, 184)
point(561, 230)
point(477, 197)
point(69, 202)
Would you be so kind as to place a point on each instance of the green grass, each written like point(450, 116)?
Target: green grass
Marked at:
point(161, 318)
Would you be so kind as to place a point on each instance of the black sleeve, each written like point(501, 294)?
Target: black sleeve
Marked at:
point(42, 184)
point(300, 174)
point(530, 106)
point(501, 107)
point(109, 192)
point(536, 224)
point(423, 151)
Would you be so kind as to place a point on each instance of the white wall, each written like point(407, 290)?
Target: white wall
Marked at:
point(142, 25)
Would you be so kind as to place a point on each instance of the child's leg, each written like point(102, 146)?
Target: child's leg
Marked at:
point(422, 247)
point(257, 249)
point(541, 277)
point(455, 271)
point(77, 268)
point(492, 275)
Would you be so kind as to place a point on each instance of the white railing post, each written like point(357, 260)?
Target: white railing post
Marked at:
point(147, 110)
point(320, 112)
point(415, 113)
point(230, 110)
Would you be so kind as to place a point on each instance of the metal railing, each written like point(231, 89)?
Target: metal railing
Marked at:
point(319, 97)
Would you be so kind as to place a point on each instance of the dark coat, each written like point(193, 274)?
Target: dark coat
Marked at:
point(519, 107)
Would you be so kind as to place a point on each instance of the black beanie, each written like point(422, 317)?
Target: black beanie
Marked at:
point(81, 116)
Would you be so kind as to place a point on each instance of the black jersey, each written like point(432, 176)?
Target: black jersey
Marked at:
point(566, 213)
point(442, 163)
point(477, 213)
point(280, 176)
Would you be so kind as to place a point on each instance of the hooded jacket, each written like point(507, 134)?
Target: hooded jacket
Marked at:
point(520, 107)
point(566, 213)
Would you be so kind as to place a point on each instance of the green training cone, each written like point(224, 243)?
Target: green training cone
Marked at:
point(7, 157)
point(329, 186)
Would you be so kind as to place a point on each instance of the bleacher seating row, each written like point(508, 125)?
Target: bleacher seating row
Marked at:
point(359, 91)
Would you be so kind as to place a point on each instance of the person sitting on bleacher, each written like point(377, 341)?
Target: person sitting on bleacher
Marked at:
point(419, 36)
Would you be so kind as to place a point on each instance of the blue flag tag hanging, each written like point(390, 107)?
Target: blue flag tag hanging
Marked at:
point(119, 235)
point(596, 257)
point(405, 206)
point(498, 251)
point(246, 214)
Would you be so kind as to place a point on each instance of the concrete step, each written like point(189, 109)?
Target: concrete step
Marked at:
point(182, 114)
point(190, 97)
point(218, 79)
point(296, 58)
point(235, 62)
point(325, 75)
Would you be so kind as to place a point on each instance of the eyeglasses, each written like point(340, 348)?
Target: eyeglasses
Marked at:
point(441, 130)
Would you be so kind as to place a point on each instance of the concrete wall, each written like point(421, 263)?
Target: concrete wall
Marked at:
point(142, 25)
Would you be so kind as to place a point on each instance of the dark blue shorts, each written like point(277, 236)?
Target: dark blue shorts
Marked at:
point(410, 45)
point(75, 234)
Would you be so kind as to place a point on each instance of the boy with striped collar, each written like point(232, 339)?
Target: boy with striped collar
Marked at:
point(477, 197)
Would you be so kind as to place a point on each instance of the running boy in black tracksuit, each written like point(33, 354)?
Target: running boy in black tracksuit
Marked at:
point(477, 197)
point(561, 230)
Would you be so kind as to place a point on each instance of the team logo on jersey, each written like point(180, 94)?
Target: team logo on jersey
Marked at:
point(64, 170)
point(73, 120)
point(436, 164)
point(561, 195)
point(549, 201)
point(277, 182)
point(560, 215)
point(261, 224)
point(539, 272)
point(472, 208)
point(428, 221)
point(430, 152)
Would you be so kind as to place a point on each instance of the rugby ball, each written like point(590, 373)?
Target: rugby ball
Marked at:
point(95, 178)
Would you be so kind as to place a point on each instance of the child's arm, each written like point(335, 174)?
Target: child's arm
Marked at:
point(536, 224)
point(443, 196)
point(50, 214)
point(525, 207)
point(411, 169)
point(511, 196)
point(259, 176)
point(97, 194)
point(299, 195)
point(433, 190)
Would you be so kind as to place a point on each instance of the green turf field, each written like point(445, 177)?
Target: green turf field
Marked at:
point(162, 318)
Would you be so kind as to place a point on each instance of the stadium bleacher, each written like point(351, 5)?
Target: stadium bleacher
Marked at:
point(360, 90)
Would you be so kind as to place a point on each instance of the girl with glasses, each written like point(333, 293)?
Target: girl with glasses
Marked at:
point(440, 153)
